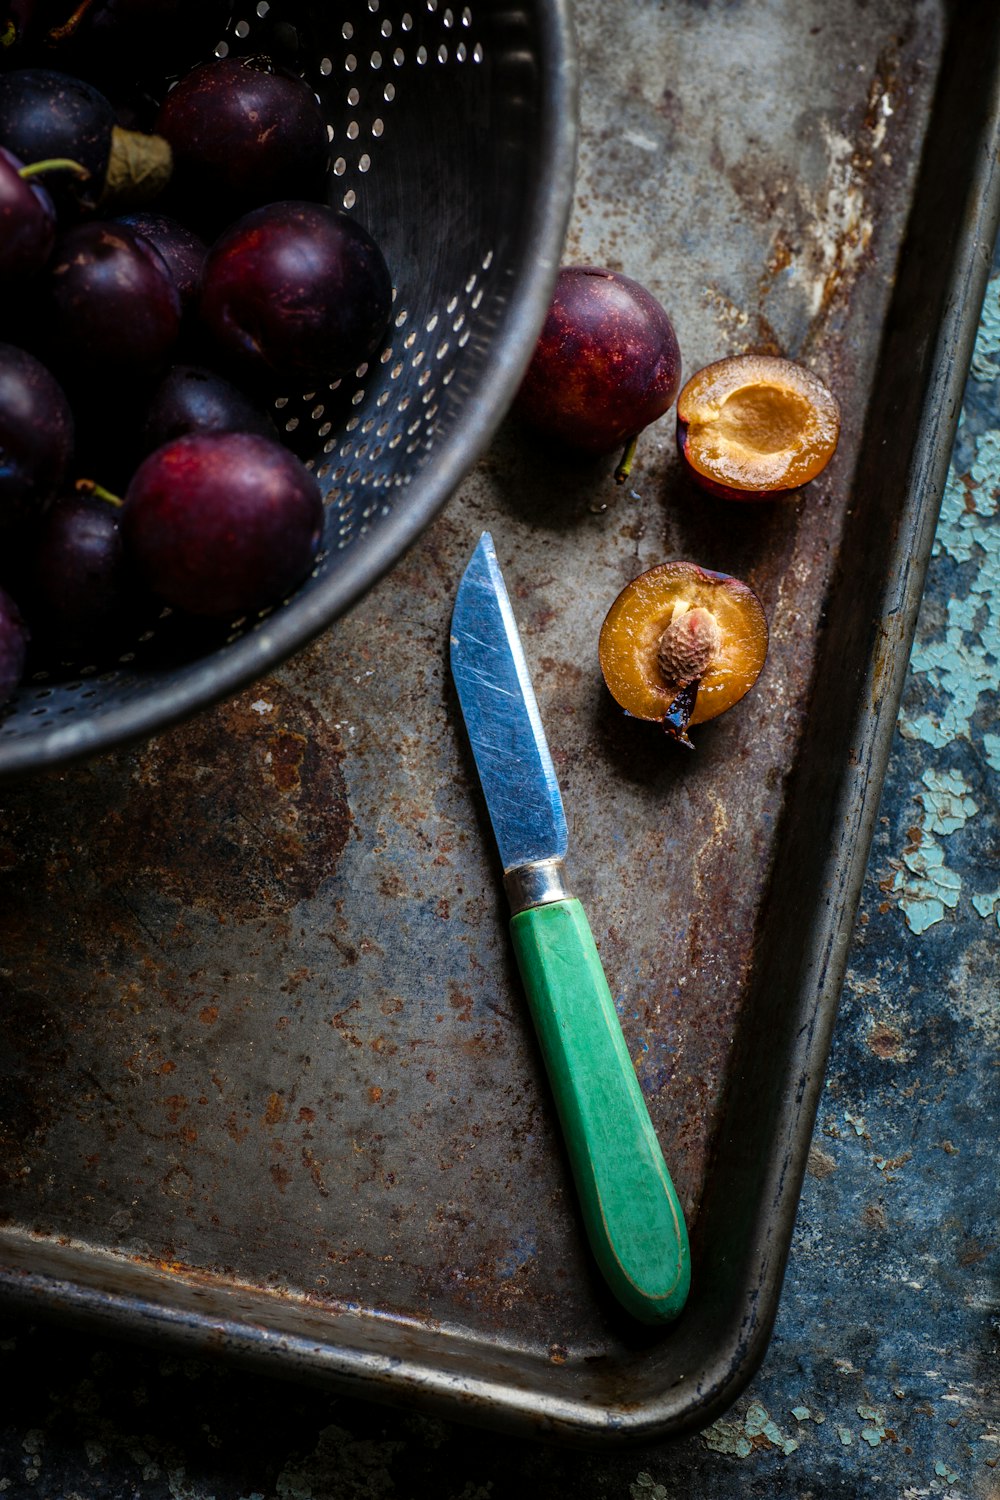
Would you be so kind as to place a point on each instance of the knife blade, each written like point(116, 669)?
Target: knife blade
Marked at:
point(630, 1210)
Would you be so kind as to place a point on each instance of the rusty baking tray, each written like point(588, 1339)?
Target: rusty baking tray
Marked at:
point(269, 1084)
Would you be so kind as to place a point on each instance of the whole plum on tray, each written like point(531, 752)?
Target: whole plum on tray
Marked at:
point(298, 291)
point(220, 524)
point(606, 365)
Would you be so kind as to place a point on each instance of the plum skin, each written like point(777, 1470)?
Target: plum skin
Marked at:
point(14, 637)
point(607, 363)
point(44, 113)
point(183, 251)
point(79, 569)
point(296, 291)
point(111, 302)
point(192, 399)
point(244, 133)
point(36, 435)
point(222, 524)
point(27, 220)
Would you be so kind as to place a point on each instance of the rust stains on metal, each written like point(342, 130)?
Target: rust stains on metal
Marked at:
point(884, 1040)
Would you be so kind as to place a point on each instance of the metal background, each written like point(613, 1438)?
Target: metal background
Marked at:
point(270, 1085)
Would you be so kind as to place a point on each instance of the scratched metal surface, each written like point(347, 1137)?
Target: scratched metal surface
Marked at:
point(268, 1082)
point(881, 1377)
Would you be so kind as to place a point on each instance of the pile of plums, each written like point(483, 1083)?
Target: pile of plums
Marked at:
point(169, 263)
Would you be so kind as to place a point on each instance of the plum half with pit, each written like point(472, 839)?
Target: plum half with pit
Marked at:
point(296, 291)
point(754, 426)
point(681, 644)
point(607, 364)
point(222, 524)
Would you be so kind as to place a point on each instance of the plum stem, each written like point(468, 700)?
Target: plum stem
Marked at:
point(624, 468)
point(677, 717)
point(71, 24)
point(91, 487)
point(53, 164)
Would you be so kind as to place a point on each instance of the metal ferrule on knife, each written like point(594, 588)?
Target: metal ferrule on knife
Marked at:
point(535, 884)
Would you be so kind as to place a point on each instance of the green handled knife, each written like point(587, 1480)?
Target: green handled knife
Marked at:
point(633, 1219)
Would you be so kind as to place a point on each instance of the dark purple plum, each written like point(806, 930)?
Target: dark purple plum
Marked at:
point(111, 304)
point(14, 639)
point(296, 291)
point(152, 38)
point(606, 365)
point(222, 524)
point(243, 132)
point(79, 582)
point(27, 220)
point(192, 399)
point(182, 249)
point(36, 436)
point(46, 114)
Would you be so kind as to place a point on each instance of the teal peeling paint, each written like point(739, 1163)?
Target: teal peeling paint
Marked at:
point(923, 882)
point(757, 1430)
point(987, 904)
point(946, 801)
point(957, 653)
point(986, 358)
point(875, 1431)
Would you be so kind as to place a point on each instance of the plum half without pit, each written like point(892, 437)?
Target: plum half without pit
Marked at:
point(681, 644)
point(754, 426)
point(607, 364)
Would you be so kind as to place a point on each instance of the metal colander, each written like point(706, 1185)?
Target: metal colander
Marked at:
point(452, 138)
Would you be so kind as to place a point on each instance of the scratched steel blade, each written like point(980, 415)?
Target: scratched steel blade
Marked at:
point(502, 718)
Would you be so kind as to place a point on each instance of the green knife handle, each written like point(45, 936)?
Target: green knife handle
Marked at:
point(633, 1218)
